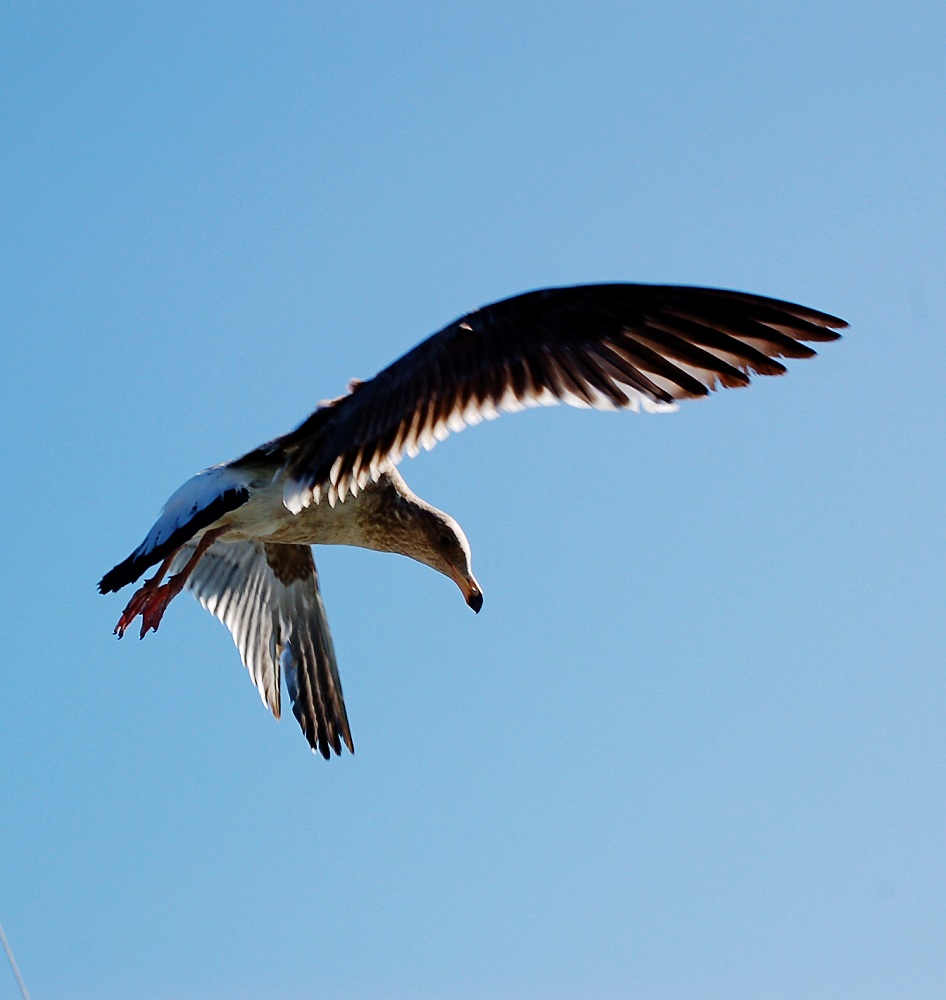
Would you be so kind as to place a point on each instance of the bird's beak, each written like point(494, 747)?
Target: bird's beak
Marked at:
point(471, 591)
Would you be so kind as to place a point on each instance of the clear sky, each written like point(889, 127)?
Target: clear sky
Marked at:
point(695, 744)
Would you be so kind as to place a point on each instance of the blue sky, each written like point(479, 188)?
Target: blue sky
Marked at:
point(695, 744)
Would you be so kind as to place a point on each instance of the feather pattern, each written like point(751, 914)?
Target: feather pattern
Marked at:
point(238, 534)
point(268, 597)
point(200, 502)
point(603, 346)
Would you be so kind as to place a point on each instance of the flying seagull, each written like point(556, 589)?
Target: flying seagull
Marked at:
point(239, 534)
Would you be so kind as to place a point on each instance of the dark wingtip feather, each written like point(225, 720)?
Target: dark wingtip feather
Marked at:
point(124, 573)
point(805, 319)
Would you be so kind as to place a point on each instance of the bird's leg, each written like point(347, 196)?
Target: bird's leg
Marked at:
point(152, 599)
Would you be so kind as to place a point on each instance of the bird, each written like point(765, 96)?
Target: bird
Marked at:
point(239, 535)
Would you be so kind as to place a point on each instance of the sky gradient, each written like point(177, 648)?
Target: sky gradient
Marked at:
point(695, 744)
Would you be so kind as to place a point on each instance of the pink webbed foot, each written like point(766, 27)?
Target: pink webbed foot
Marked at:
point(150, 602)
point(152, 599)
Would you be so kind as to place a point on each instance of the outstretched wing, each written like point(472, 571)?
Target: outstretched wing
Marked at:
point(268, 597)
point(605, 346)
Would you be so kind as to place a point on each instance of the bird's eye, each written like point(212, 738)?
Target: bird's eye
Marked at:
point(444, 541)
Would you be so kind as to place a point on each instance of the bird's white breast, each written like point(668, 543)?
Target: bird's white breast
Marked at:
point(265, 517)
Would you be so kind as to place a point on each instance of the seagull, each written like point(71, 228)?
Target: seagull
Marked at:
point(238, 535)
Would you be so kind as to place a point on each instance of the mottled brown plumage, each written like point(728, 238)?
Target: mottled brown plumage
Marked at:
point(238, 534)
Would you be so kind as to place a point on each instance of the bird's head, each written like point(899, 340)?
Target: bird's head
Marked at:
point(442, 545)
point(392, 518)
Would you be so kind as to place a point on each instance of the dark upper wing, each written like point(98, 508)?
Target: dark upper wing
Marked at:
point(268, 597)
point(606, 346)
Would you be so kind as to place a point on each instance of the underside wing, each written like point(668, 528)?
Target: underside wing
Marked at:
point(268, 597)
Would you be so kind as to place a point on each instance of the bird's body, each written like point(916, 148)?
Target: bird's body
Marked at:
point(239, 534)
point(260, 515)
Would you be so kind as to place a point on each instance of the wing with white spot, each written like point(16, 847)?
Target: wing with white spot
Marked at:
point(604, 346)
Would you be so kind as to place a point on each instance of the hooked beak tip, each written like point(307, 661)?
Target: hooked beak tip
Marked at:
point(469, 588)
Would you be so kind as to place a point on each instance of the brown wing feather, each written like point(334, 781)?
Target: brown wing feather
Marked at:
point(606, 346)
